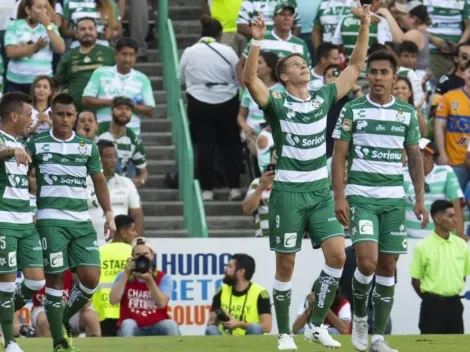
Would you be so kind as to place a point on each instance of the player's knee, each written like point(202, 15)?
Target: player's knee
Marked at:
point(386, 265)
point(55, 281)
point(366, 265)
point(89, 277)
point(34, 285)
point(284, 266)
point(336, 260)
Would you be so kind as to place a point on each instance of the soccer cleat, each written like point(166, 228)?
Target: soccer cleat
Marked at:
point(13, 347)
point(360, 334)
point(64, 346)
point(286, 343)
point(67, 330)
point(320, 335)
point(381, 346)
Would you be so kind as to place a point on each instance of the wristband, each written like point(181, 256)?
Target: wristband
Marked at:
point(256, 42)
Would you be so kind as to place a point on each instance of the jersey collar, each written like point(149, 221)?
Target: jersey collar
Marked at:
point(120, 74)
point(298, 99)
point(378, 105)
point(60, 140)
point(9, 136)
point(278, 38)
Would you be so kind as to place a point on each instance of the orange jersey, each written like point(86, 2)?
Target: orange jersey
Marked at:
point(454, 107)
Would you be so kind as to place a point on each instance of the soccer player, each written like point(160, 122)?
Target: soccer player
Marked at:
point(62, 161)
point(371, 134)
point(301, 200)
point(20, 246)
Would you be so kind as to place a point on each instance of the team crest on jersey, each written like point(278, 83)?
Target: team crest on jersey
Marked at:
point(400, 115)
point(454, 106)
point(82, 149)
point(276, 95)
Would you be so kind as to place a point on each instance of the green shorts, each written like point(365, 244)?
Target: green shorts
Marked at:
point(291, 214)
point(384, 224)
point(68, 247)
point(19, 249)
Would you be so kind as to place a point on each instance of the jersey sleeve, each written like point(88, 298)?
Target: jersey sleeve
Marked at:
point(166, 285)
point(337, 37)
point(417, 265)
point(413, 135)
point(147, 93)
point(329, 94)
point(30, 146)
point(245, 13)
point(443, 110)
point(11, 35)
point(264, 303)
point(343, 128)
point(270, 109)
point(138, 158)
point(216, 301)
point(67, 14)
point(452, 189)
point(94, 162)
point(93, 86)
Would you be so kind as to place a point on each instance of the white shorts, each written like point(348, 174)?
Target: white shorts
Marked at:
point(74, 321)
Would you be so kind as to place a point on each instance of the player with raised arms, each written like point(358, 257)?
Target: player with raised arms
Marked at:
point(63, 160)
point(301, 199)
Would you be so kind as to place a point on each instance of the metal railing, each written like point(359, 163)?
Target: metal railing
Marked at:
point(189, 189)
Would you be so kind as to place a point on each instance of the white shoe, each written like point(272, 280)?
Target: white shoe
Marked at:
point(381, 346)
point(13, 347)
point(320, 335)
point(286, 343)
point(360, 334)
point(235, 194)
point(207, 195)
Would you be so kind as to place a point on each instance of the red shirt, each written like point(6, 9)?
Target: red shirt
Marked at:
point(38, 298)
point(343, 302)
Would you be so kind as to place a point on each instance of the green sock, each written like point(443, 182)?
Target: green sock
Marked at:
point(325, 291)
point(360, 297)
point(53, 308)
point(7, 311)
point(77, 300)
point(383, 302)
point(281, 296)
point(22, 295)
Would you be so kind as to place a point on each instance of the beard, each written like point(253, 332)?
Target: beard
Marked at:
point(120, 122)
point(229, 280)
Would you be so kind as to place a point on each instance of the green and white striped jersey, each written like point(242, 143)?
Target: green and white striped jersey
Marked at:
point(24, 70)
point(282, 48)
point(261, 216)
point(33, 204)
point(14, 202)
point(250, 9)
point(377, 136)
point(128, 147)
point(442, 183)
point(348, 28)
point(448, 18)
point(61, 170)
point(329, 14)
point(299, 132)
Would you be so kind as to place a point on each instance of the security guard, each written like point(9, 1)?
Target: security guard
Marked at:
point(438, 269)
point(114, 258)
point(240, 307)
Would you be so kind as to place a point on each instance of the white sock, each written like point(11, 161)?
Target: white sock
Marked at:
point(362, 278)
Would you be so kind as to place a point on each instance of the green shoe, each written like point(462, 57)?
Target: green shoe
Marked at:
point(64, 346)
point(67, 331)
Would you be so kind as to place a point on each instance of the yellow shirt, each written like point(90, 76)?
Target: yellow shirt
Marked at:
point(441, 264)
point(226, 11)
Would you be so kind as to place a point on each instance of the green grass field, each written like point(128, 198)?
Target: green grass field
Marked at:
point(430, 343)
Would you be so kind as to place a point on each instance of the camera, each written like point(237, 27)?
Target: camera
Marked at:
point(142, 264)
point(221, 315)
point(271, 167)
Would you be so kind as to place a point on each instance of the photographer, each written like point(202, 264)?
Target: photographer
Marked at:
point(143, 293)
point(240, 307)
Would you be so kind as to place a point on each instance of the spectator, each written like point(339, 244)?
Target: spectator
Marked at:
point(327, 54)
point(451, 131)
point(440, 183)
point(226, 317)
point(123, 194)
point(226, 12)
point(33, 27)
point(257, 199)
point(85, 320)
point(55, 7)
point(449, 18)
point(77, 65)
point(309, 10)
point(440, 264)
point(338, 318)
point(208, 70)
point(129, 147)
point(280, 39)
point(42, 92)
point(138, 25)
point(150, 291)
point(456, 78)
point(6, 9)
point(328, 16)
point(251, 9)
point(264, 148)
point(114, 256)
point(87, 125)
point(107, 83)
point(105, 13)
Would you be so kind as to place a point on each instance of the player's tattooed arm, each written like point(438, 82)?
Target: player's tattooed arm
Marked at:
point(415, 162)
point(21, 155)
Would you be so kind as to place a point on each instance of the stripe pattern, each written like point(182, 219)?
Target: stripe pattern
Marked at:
point(261, 215)
point(329, 14)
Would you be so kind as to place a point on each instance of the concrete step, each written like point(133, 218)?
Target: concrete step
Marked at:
point(156, 138)
point(159, 167)
point(213, 222)
point(165, 152)
point(183, 40)
point(156, 125)
point(158, 195)
point(212, 233)
point(185, 12)
point(154, 68)
point(154, 56)
point(156, 82)
point(176, 208)
point(155, 181)
point(161, 97)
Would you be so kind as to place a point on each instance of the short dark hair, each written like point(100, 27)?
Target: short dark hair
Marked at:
point(323, 51)
point(64, 99)
point(123, 222)
point(280, 68)
point(439, 206)
point(103, 144)
point(211, 27)
point(127, 43)
point(244, 261)
point(366, 2)
point(383, 56)
point(407, 46)
point(85, 19)
point(89, 112)
point(13, 102)
point(375, 48)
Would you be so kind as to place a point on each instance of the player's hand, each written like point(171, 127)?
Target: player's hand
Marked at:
point(421, 102)
point(363, 12)
point(138, 182)
point(342, 211)
point(267, 179)
point(44, 17)
point(22, 157)
point(109, 226)
point(421, 214)
point(130, 266)
point(427, 77)
point(258, 28)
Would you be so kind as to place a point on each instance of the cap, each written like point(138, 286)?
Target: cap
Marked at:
point(142, 241)
point(284, 5)
point(426, 145)
point(122, 101)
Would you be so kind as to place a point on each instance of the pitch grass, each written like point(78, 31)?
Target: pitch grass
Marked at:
point(428, 343)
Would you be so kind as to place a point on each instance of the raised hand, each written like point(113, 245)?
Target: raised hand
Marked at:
point(258, 28)
point(363, 12)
